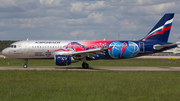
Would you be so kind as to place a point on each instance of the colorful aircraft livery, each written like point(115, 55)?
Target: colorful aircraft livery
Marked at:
point(65, 52)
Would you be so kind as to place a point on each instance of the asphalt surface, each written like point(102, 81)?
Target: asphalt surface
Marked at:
point(103, 68)
point(96, 68)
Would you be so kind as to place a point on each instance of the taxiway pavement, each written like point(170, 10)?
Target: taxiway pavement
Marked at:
point(96, 68)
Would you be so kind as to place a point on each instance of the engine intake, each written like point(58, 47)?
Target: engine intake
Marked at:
point(62, 60)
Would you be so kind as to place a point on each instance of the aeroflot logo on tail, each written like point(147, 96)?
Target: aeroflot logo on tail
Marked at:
point(47, 42)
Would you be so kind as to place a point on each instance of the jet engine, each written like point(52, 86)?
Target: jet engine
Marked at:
point(62, 60)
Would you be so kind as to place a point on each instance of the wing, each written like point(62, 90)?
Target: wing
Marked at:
point(82, 54)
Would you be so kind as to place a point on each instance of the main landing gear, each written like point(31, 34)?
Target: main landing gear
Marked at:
point(85, 65)
point(25, 64)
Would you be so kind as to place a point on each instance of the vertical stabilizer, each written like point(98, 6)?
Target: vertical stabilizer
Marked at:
point(161, 30)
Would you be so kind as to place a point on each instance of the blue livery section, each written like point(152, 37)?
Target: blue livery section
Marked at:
point(123, 49)
point(62, 60)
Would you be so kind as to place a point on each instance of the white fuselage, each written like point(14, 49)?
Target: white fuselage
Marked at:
point(39, 48)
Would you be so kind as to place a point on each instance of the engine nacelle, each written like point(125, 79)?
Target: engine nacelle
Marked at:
point(62, 60)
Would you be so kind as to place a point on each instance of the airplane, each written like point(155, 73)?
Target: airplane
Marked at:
point(65, 52)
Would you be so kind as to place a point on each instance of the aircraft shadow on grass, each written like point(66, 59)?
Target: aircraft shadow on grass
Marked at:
point(79, 68)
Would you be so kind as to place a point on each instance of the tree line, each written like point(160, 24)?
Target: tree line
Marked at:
point(5, 43)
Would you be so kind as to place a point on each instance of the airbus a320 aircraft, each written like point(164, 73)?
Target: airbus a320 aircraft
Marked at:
point(67, 52)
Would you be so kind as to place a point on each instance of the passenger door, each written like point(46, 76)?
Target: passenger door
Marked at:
point(141, 47)
point(25, 47)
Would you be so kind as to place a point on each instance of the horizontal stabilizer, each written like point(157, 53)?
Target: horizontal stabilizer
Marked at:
point(158, 47)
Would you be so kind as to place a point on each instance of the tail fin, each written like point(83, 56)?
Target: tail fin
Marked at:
point(161, 30)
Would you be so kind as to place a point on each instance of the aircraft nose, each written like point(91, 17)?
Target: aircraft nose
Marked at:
point(4, 52)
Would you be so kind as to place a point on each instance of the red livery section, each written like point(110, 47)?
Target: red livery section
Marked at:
point(87, 45)
point(110, 48)
point(123, 48)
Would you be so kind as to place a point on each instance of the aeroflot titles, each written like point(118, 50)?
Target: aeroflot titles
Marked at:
point(47, 42)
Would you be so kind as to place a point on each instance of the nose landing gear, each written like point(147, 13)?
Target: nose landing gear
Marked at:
point(25, 64)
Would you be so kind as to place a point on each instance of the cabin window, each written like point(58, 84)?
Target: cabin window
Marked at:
point(13, 46)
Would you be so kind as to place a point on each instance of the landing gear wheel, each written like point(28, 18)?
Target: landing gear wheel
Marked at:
point(25, 66)
point(85, 65)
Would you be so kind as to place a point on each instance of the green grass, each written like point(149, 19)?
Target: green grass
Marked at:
point(89, 86)
point(134, 62)
point(33, 85)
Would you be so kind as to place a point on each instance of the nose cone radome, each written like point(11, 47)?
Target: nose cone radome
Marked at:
point(5, 52)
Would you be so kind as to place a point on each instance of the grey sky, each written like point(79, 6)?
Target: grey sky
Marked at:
point(89, 19)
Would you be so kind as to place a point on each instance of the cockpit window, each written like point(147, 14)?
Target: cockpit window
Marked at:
point(13, 46)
